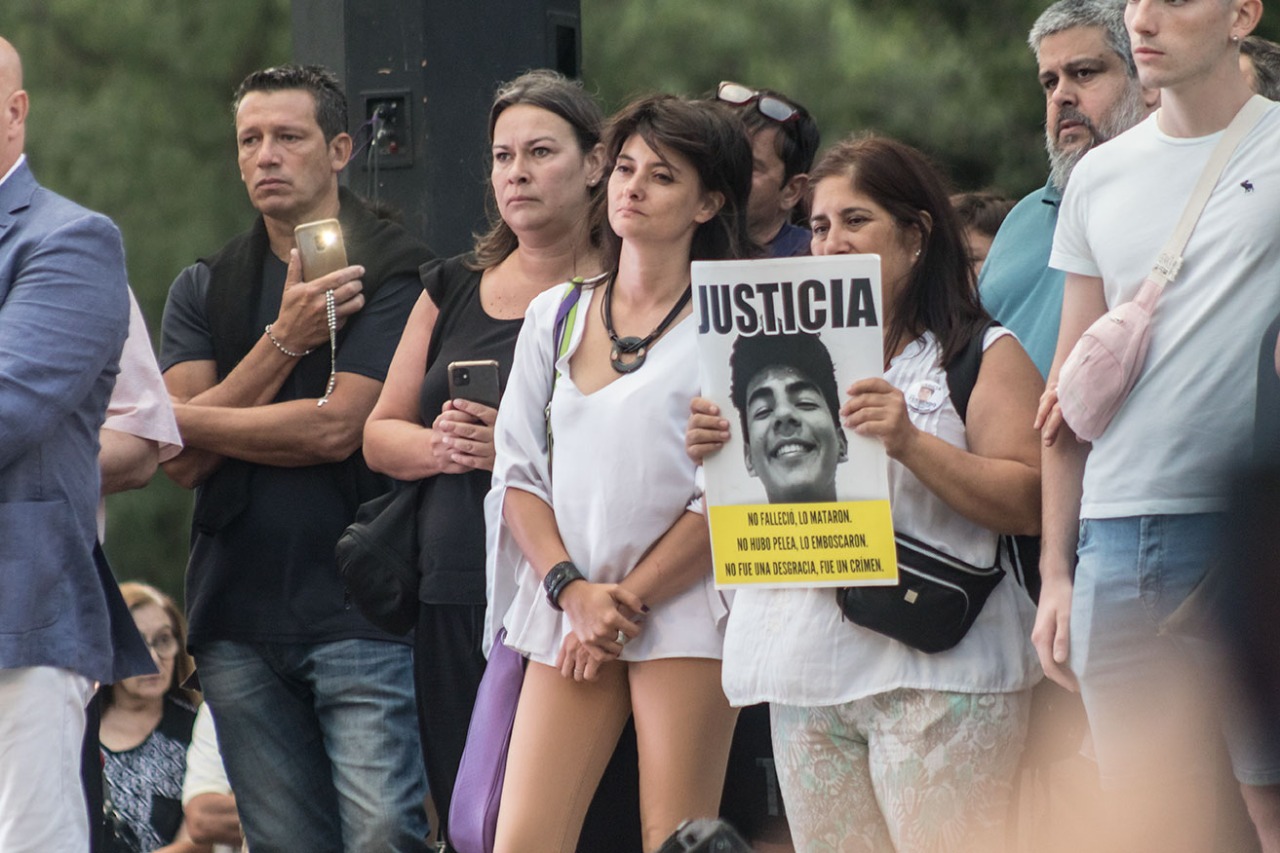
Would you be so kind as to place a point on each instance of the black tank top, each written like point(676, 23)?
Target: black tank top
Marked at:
point(451, 517)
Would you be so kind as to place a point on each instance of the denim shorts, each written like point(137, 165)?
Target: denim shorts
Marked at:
point(1151, 694)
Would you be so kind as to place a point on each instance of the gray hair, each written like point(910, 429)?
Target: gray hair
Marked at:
point(1265, 57)
point(1068, 14)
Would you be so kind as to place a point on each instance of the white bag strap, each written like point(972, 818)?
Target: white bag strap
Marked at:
point(1169, 261)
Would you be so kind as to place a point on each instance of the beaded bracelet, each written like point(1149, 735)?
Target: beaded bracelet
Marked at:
point(282, 347)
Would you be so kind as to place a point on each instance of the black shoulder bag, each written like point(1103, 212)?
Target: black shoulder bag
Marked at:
point(378, 554)
point(937, 597)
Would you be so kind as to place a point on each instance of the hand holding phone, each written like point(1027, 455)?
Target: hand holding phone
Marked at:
point(466, 438)
point(322, 248)
point(476, 381)
point(321, 290)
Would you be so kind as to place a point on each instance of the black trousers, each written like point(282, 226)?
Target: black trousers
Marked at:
point(751, 799)
point(91, 772)
point(448, 666)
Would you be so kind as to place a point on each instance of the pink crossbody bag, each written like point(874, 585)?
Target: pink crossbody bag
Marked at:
point(1102, 368)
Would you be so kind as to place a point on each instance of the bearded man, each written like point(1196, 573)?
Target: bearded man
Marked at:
point(1092, 94)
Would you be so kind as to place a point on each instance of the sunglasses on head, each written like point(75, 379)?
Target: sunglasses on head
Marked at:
point(769, 106)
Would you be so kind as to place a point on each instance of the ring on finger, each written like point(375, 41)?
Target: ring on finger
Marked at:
point(621, 639)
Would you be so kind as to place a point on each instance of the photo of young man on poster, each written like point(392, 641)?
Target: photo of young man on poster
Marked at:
point(784, 388)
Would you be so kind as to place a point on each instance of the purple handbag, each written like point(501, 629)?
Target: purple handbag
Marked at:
point(473, 813)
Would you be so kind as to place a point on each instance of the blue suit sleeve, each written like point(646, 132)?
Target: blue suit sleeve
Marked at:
point(62, 323)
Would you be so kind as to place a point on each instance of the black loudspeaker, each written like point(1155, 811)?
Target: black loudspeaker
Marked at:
point(419, 78)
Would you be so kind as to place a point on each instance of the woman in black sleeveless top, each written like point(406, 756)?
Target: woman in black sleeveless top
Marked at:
point(546, 181)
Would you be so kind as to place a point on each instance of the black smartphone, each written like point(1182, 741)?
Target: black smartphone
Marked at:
point(476, 381)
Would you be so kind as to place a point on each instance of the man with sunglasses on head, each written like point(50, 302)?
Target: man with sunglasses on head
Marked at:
point(784, 141)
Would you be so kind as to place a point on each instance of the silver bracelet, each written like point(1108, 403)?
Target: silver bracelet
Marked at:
point(282, 347)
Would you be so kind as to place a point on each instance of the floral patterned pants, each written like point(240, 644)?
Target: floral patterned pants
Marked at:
point(911, 771)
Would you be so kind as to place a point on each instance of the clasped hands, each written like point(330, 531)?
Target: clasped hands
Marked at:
point(462, 437)
point(597, 613)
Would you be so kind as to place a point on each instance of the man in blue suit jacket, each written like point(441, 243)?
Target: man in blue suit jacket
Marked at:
point(64, 312)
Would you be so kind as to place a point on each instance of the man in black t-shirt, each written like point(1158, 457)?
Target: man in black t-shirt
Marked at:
point(315, 706)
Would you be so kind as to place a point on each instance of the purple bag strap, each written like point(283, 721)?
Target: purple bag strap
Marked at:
point(565, 315)
point(566, 305)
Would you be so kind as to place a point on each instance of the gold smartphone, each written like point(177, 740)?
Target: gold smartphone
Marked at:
point(322, 248)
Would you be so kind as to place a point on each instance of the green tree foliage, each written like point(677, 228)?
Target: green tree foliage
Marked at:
point(954, 78)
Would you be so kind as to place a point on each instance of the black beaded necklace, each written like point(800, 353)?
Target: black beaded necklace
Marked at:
point(636, 348)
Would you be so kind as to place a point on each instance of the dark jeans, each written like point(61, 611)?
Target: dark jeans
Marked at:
point(318, 744)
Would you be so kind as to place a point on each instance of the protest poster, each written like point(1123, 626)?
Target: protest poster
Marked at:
point(793, 498)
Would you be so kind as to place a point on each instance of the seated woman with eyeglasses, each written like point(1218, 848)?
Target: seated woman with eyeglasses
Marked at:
point(602, 573)
point(146, 729)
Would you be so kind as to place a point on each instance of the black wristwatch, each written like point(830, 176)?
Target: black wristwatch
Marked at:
point(560, 576)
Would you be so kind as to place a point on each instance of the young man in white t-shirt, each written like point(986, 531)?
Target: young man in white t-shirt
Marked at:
point(1140, 509)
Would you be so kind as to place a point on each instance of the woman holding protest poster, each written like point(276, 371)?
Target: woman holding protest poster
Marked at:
point(602, 572)
point(881, 746)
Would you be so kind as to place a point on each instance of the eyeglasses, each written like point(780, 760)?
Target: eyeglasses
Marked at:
point(769, 106)
point(164, 645)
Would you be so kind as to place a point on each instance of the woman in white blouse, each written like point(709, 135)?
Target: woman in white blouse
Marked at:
point(881, 747)
point(602, 571)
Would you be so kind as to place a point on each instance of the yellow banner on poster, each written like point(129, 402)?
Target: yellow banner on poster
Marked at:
point(844, 543)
